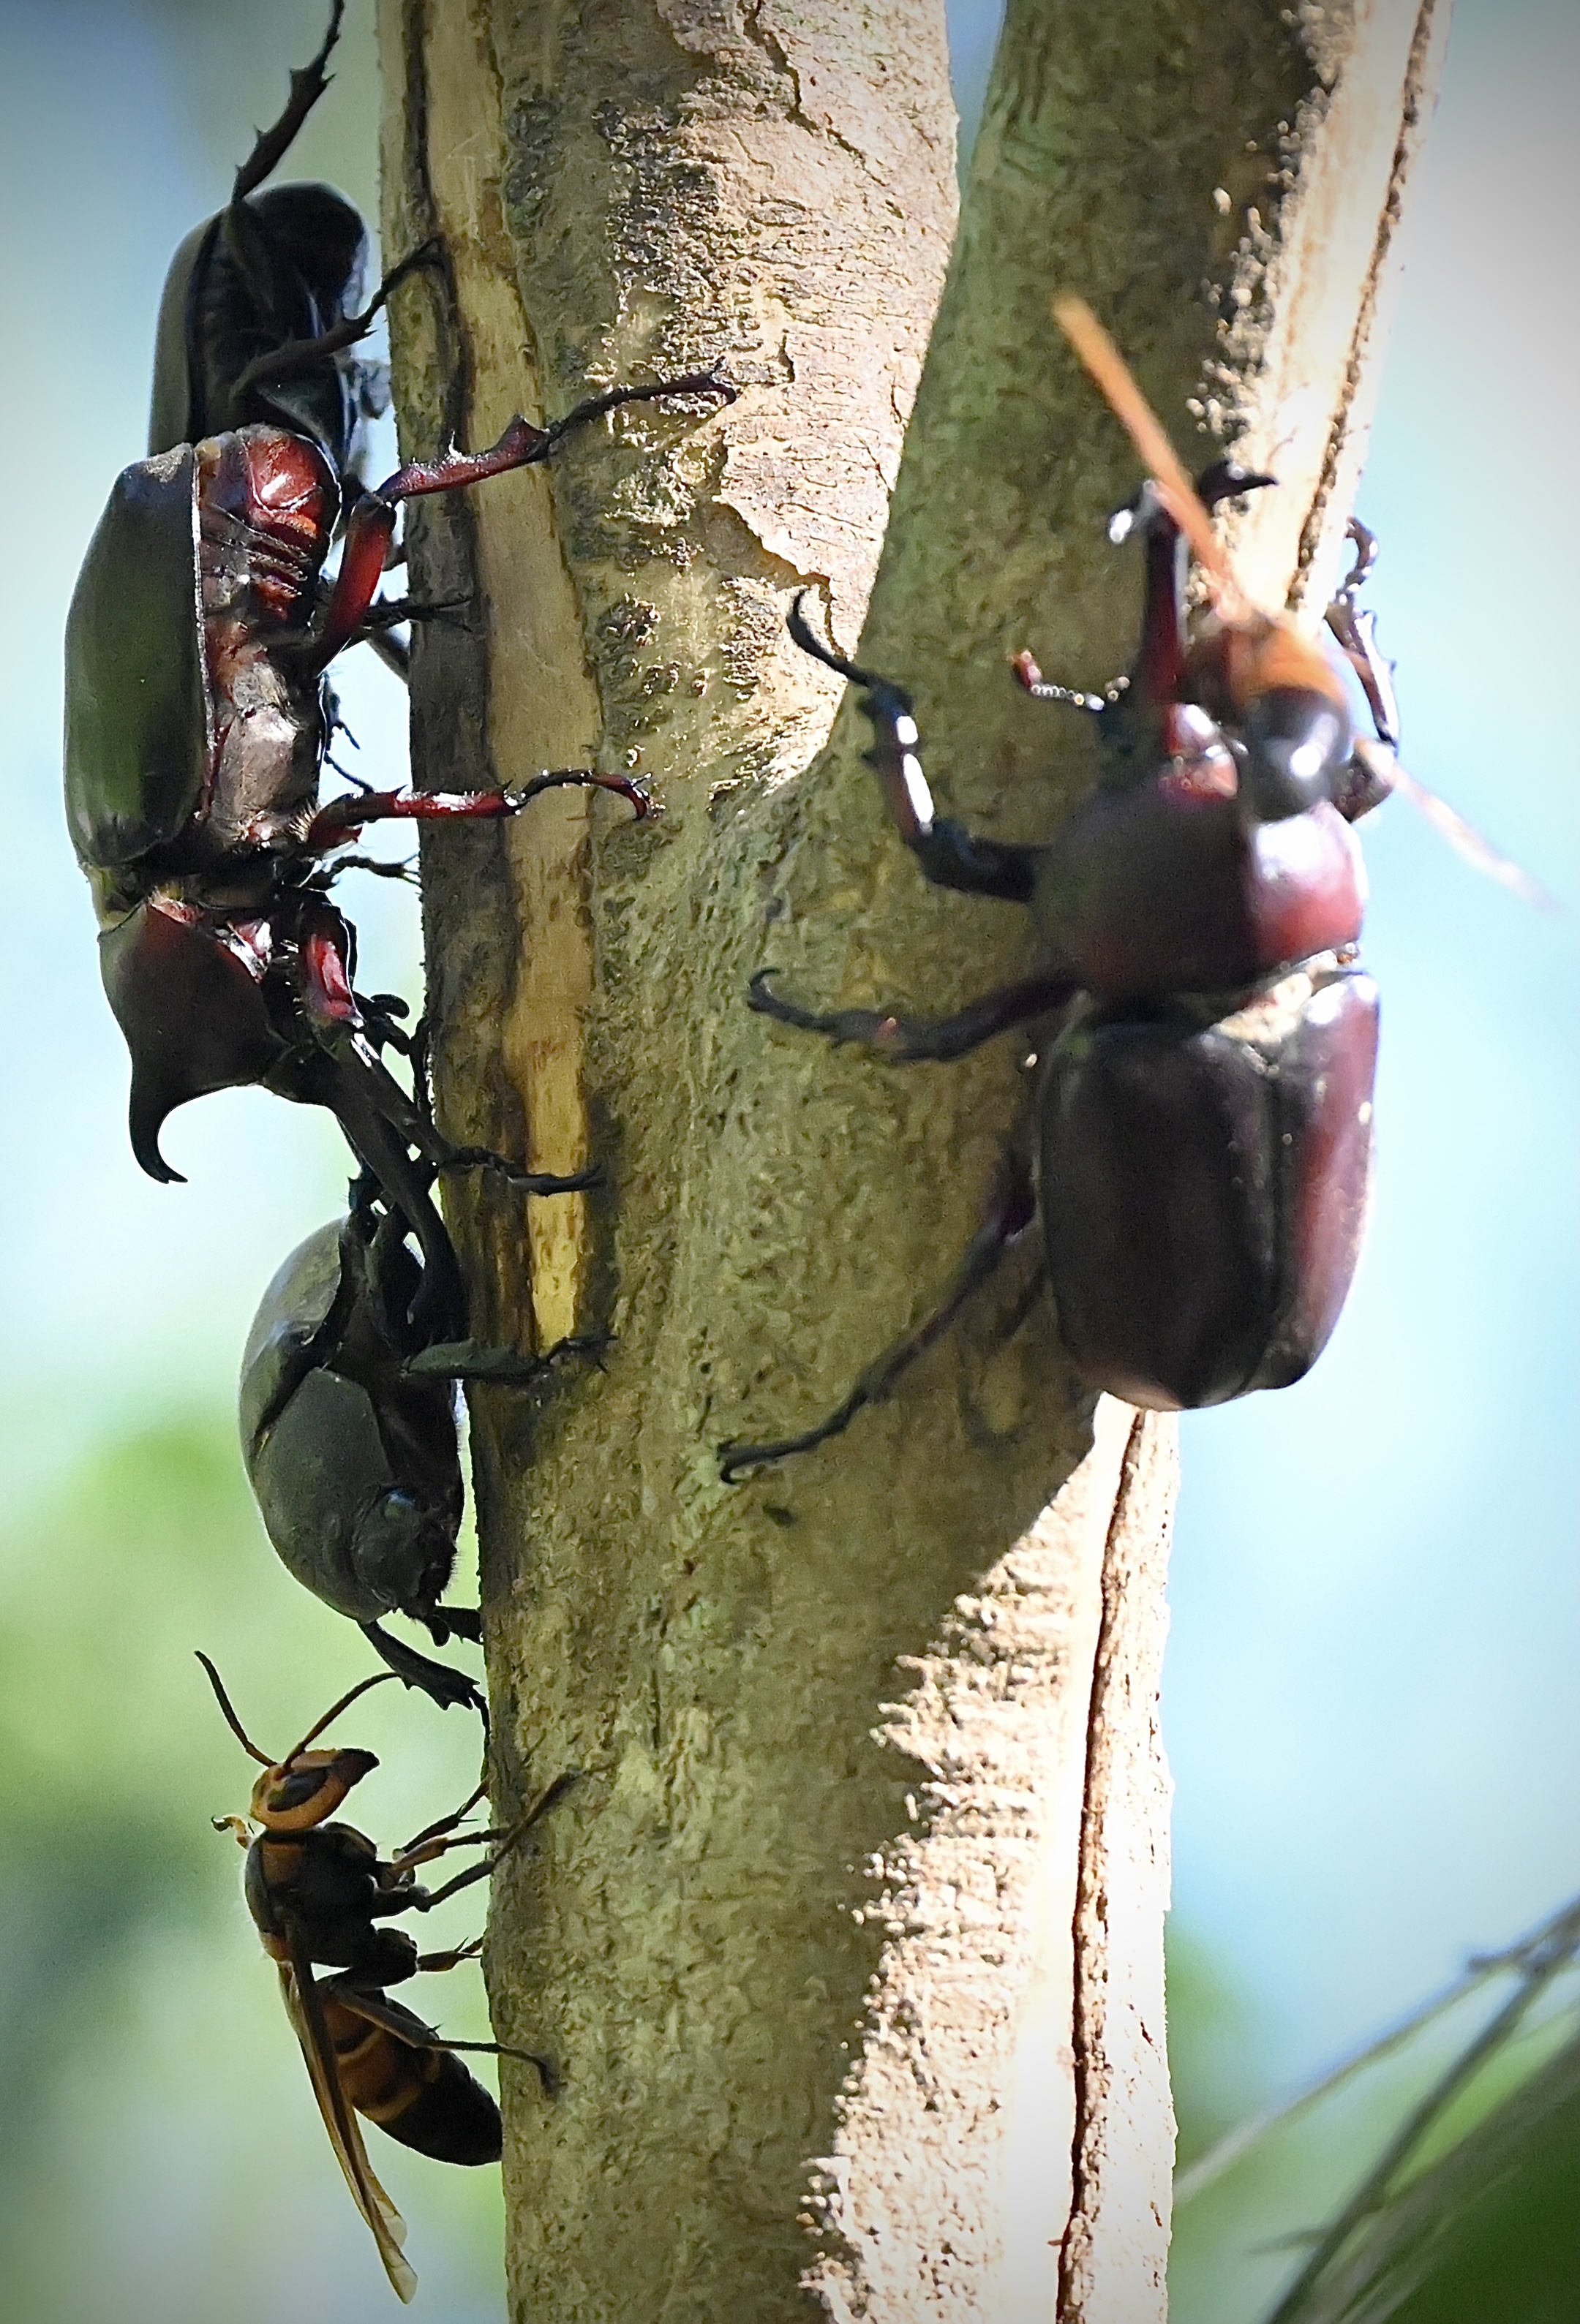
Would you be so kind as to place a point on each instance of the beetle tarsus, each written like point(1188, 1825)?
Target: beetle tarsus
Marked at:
point(810, 642)
point(615, 399)
point(530, 1182)
point(950, 856)
point(447, 1687)
point(447, 1622)
point(1029, 679)
point(638, 797)
point(388, 612)
point(523, 445)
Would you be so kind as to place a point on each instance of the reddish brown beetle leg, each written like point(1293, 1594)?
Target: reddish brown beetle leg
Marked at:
point(343, 817)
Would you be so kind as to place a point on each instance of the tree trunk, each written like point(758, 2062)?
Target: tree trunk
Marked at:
point(848, 1942)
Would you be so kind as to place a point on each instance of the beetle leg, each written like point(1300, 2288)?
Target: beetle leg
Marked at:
point(910, 1040)
point(382, 868)
point(447, 1622)
point(523, 445)
point(364, 1088)
point(437, 1679)
point(305, 88)
point(471, 1359)
point(389, 612)
point(289, 358)
point(381, 1120)
point(530, 1182)
point(1356, 630)
point(372, 524)
point(1011, 1210)
point(1365, 782)
point(393, 655)
point(368, 535)
point(950, 856)
point(342, 818)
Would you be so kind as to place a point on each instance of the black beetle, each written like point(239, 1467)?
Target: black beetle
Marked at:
point(196, 713)
point(262, 303)
point(348, 1432)
point(1203, 1104)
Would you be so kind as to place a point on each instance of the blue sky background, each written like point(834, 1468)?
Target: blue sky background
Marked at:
point(1370, 1687)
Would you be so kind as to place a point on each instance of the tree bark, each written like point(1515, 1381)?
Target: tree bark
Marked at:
point(848, 1942)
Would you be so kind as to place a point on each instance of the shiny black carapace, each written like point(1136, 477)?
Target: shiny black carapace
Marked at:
point(349, 1435)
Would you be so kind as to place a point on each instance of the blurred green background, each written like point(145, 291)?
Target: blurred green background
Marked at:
point(1371, 1691)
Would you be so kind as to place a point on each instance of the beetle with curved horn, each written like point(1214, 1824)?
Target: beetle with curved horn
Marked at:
point(197, 718)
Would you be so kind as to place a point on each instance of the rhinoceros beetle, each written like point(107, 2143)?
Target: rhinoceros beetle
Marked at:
point(1202, 1111)
point(196, 724)
point(261, 305)
point(348, 1432)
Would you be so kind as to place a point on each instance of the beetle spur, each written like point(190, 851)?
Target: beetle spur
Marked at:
point(348, 1432)
point(197, 714)
point(317, 1892)
point(1202, 1110)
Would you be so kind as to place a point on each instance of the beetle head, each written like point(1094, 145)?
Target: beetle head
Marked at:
point(403, 1552)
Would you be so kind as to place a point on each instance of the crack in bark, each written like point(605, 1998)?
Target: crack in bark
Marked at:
point(1073, 2242)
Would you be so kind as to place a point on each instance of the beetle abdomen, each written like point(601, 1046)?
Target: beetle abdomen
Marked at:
point(1204, 1186)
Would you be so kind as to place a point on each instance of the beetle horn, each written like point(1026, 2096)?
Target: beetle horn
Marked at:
point(186, 994)
point(1108, 367)
point(146, 1117)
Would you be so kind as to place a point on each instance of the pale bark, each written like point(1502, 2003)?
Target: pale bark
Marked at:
point(852, 1928)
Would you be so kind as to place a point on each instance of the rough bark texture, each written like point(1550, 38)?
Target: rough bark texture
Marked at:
point(868, 1859)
